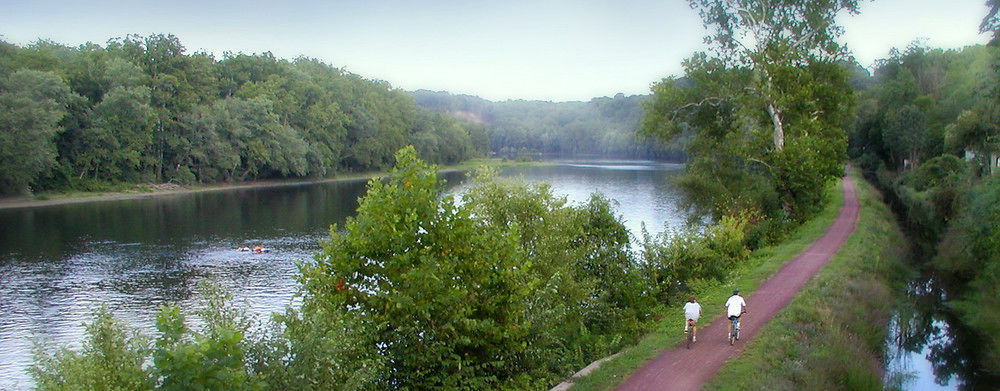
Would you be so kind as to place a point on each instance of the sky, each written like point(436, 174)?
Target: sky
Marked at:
point(558, 50)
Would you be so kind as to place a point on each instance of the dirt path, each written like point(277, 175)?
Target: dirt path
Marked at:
point(683, 369)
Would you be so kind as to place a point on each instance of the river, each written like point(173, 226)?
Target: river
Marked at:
point(57, 263)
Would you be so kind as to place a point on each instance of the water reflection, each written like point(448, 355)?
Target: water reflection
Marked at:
point(929, 349)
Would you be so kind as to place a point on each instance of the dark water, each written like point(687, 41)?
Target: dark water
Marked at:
point(57, 263)
point(929, 348)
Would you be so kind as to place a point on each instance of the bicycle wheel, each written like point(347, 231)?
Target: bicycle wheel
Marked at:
point(690, 338)
point(732, 337)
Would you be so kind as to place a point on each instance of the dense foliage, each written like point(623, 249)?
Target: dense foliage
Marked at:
point(927, 132)
point(765, 111)
point(509, 287)
point(140, 109)
point(602, 126)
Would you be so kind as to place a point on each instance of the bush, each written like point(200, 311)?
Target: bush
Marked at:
point(680, 258)
point(111, 359)
point(313, 349)
point(210, 359)
point(509, 288)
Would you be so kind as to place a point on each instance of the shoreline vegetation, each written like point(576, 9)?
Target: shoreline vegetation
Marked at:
point(793, 351)
point(761, 264)
point(146, 190)
point(466, 301)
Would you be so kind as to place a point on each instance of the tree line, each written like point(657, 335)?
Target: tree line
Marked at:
point(603, 126)
point(141, 109)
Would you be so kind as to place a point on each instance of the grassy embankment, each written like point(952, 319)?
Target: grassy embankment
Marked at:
point(829, 333)
point(129, 191)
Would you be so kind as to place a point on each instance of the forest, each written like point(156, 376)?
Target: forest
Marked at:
point(602, 126)
point(142, 110)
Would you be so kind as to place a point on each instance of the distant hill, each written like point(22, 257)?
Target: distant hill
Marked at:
point(601, 126)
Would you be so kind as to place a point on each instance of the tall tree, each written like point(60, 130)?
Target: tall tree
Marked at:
point(31, 105)
point(773, 95)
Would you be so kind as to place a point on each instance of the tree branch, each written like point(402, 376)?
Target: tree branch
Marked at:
point(710, 100)
point(769, 167)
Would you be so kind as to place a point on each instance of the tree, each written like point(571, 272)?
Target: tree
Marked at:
point(991, 23)
point(31, 105)
point(116, 146)
point(441, 292)
point(974, 131)
point(773, 97)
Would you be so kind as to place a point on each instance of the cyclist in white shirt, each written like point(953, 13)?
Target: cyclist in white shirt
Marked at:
point(692, 311)
point(735, 307)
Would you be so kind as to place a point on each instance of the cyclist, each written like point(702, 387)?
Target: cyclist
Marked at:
point(735, 307)
point(692, 311)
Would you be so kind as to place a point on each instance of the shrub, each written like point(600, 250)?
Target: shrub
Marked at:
point(680, 258)
point(314, 349)
point(111, 359)
point(212, 359)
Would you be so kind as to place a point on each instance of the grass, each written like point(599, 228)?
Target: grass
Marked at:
point(831, 334)
point(669, 333)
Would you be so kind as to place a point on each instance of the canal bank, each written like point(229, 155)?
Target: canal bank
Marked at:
point(829, 337)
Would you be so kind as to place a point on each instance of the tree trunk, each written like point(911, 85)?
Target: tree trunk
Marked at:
point(779, 130)
point(159, 164)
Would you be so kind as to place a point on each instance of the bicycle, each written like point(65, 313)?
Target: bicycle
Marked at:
point(690, 332)
point(734, 332)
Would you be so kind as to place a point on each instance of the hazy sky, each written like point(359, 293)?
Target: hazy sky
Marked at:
point(550, 50)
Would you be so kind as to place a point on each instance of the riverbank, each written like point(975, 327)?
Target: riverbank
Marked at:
point(141, 191)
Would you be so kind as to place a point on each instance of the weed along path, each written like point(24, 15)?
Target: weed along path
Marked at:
point(683, 369)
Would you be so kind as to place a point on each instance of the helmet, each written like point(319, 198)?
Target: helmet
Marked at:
point(736, 291)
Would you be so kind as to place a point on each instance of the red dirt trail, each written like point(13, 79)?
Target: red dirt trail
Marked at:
point(683, 369)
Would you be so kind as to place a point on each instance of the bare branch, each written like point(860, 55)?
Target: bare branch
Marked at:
point(710, 100)
point(769, 167)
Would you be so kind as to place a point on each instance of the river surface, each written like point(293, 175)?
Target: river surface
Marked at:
point(57, 263)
